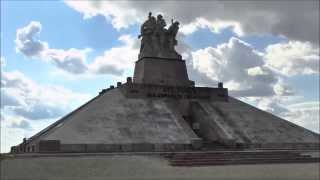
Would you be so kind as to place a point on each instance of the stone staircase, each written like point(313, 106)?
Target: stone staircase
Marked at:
point(238, 157)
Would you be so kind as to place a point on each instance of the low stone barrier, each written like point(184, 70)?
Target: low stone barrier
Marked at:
point(134, 90)
point(134, 147)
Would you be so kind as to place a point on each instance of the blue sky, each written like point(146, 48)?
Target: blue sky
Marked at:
point(102, 40)
point(78, 34)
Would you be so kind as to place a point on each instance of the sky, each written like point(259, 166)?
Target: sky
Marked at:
point(56, 55)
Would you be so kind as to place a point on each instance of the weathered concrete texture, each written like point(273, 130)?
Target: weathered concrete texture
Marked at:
point(161, 71)
point(134, 90)
point(113, 119)
point(235, 122)
point(117, 122)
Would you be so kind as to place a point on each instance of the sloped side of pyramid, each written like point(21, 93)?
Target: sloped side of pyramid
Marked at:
point(113, 119)
point(236, 122)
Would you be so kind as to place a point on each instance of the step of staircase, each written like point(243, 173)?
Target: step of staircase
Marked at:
point(238, 157)
point(245, 161)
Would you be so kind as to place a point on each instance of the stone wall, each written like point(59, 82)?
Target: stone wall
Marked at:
point(135, 90)
point(141, 147)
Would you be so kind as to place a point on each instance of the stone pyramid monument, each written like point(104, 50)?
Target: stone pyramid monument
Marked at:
point(160, 109)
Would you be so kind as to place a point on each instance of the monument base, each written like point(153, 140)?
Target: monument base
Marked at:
point(161, 71)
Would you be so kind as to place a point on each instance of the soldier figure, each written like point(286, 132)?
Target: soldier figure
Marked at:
point(161, 33)
point(172, 33)
point(157, 41)
point(147, 33)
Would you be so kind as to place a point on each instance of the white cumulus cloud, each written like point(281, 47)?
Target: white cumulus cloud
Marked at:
point(117, 59)
point(114, 61)
point(26, 98)
point(305, 114)
point(291, 108)
point(119, 13)
point(26, 41)
point(293, 58)
point(215, 26)
point(296, 20)
point(71, 60)
point(238, 65)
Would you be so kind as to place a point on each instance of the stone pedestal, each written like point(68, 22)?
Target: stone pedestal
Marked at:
point(161, 71)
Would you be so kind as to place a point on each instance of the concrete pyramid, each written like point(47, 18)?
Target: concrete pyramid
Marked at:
point(160, 109)
point(154, 116)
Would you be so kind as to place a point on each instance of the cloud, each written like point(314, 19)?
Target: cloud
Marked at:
point(215, 26)
point(273, 105)
point(117, 59)
point(282, 89)
point(254, 17)
point(71, 60)
point(13, 130)
point(304, 114)
point(24, 97)
point(74, 61)
point(119, 13)
point(292, 108)
point(26, 42)
point(39, 110)
point(10, 137)
point(20, 124)
point(238, 65)
point(247, 72)
point(293, 58)
point(8, 99)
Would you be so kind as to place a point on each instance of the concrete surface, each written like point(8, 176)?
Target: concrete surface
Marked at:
point(161, 71)
point(140, 167)
point(114, 119)
point(243, 123)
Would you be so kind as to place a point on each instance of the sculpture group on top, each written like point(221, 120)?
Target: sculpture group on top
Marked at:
point(157, 41)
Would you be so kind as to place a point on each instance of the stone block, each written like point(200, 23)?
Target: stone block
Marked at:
point(159, 147)
point(103, 148)
point(49, 146)
point(161, 71)
point(143, 147)
point(94, 147)
point(73, 148)
point(126, 147)
point(196, 143)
